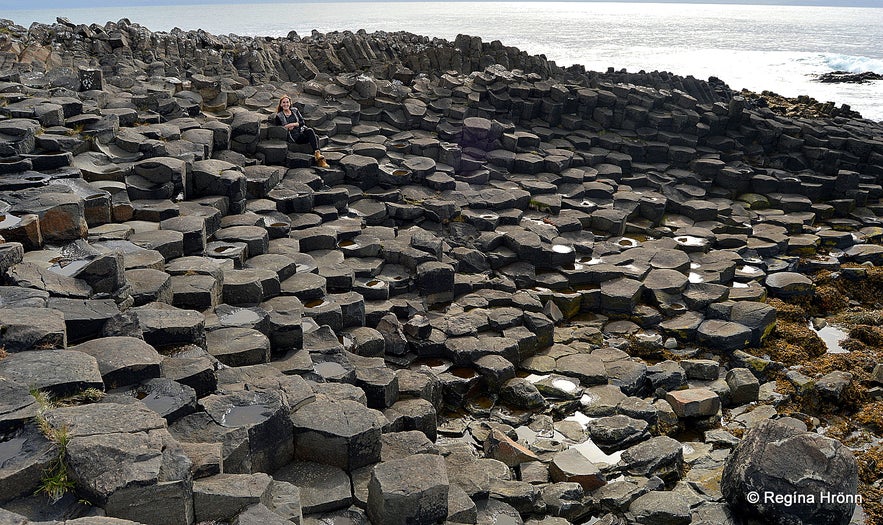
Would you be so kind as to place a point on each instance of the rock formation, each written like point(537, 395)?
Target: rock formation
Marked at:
point(552, 295)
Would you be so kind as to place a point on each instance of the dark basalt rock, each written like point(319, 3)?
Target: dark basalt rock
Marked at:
point(841, 77)
point(772, 459)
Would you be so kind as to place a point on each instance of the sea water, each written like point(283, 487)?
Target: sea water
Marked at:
point(776, 48)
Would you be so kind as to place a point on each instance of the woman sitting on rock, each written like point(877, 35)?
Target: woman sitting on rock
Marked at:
point(290, 118)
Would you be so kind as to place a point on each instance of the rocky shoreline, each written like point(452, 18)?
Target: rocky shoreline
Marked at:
point(520, 294)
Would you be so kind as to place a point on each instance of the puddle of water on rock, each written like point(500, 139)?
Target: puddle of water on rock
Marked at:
point(588, 398)
point(561, 248)
point(695, 278)
point(8, 221)
point(580, 418)
point(463, 372)
point(303, 268)
point(69, 268)
point(740, 285)
point(346, 244)
point(480, 403)
point(159, 403)
point(10, 449)
point(433, 363)
point(627, 242)
point(750, 270)
point(240, 416)
point(594, 454)
point(592, 260)
point(329, 369)
point(528, 435)
point(315, 303)
point(832, 335)
point(689, 240)
point(239, 317)
point(565, 385)
point(308, 325)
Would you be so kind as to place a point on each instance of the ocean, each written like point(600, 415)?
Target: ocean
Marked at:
point(776, 48)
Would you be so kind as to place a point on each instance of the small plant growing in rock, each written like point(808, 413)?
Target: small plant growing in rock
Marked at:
point(56, 481)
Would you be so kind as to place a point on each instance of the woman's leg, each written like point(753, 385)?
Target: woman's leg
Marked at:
point(308, 135)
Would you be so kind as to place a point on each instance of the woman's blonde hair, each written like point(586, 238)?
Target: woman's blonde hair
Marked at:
point(279, 105)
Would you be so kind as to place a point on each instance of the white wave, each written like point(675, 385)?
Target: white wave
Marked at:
point(853, 64)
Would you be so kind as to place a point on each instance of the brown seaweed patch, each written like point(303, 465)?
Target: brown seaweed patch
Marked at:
point(828, 299)
point(870, 335)
point(871, 415)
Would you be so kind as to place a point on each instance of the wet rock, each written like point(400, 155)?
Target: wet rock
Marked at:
point(259, 420)
point(168, 398)
point(26, 454)
point(773, 458)
point(410, 490)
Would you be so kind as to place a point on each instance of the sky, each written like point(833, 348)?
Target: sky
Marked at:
point(69, 4)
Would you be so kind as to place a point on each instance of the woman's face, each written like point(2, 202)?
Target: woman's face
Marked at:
point(285, 103)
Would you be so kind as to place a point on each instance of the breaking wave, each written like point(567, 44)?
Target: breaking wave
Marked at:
point(853, 64)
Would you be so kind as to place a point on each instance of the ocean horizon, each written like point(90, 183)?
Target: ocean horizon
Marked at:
point(756, 47)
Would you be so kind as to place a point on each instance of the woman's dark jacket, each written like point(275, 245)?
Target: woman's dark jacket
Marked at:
point(280, 119)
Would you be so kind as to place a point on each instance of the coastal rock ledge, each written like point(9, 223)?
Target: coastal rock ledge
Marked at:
point(518, 293)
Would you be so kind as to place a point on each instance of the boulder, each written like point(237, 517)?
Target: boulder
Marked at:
point(781, 474)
